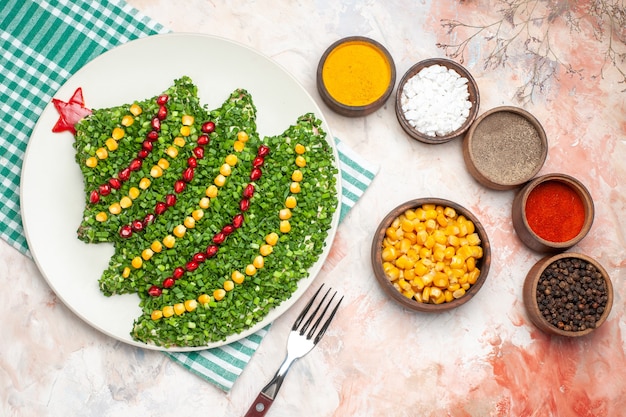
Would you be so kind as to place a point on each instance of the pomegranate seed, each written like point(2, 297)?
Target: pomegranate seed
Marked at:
point(255, 174)
point(263, 150)
point(146, 145)
point(115, 183)
point(203, 140)
point(178, 272)
point(237, 221)
point(208, 127)
point(248, 192)
point(162, 113)
point(244, 204)
point(188, 174)
point(160, 208)
point(198, 152)
point(143, 154)
point(137, 225)
point(94, 197)
point(152, 136)
point(124, 174)
point(105, 189)
point(258, 161)
point(156, 124)
point(192, 162)
point(228, 229)
point(162, 99)
point(199, 257)
point(126, 231)
point(219, 238)
point(191, 266)
point(168, 282)
point(135, 164)
point(211, 251)
point(179, 186)
point(148, 219)
point(170, 200)
point(154, 291)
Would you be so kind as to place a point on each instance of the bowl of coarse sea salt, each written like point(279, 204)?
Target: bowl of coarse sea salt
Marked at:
point(437, 100)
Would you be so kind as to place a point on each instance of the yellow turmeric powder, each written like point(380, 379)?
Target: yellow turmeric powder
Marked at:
point(356, 73)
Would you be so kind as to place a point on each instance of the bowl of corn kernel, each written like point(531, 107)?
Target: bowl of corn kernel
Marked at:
point(430, 255)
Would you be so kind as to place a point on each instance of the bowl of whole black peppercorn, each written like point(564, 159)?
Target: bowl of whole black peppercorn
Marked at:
point(569, 294)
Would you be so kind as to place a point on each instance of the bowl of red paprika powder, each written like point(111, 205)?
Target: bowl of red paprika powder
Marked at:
point(552, 213)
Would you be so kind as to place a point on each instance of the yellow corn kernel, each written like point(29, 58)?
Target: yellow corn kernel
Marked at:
point(250, 270)
point(229, 285)
point(266, 250)
point(465, 286)
point(271, 239)
point(300, 161)
point(439, 300)
point(476, 251)
point(118, 133)
point(408, 293)
point(156, 314)
point(219, 180)
point(284, 214)
point(405, 245)
point(101, 217)
point(190, 305)
point(111, 144)
point(133, 192)
point(420, 268)
point(458, 293)
point(238, 146)
point(435, 293)
point(126, 272)
point(392, 273)
point(285, 226)
point(473, 239)
point(454, 287)
point(440, 280)
point(431, 225)
point(156, 246)
point(389, 254)
point(237, 277)
point(409, 274)
point(115, 208)
point(204, 299)
point(127, 120)
point(102, 153)
point(291, 202)
point(417, 283)
point(91, 162)
point(425, 253)
point(258, 262)
point(403, 262)
point(168, 311)
point(179, 141)
point(439, 255)
point(179, 309)
point(126, 202)
point(406, 225)
point(189, 222)
point(231, 160)
point(211, 191)
point(431, 213)
point(430, 242)
point(172, 152)
point(156, 171)
point(144, 183)
point(449, 296)
point(219, 294)
point(185, 131)
point(169, 241)
point(204, 203)
point(472, 277)
point(294, 187)
point(296, 175)
point(300, 149)
point(197, 214)
point(226, 170)
point(135, 109)
point(427, 279)
point(137, 262)
point(163, 163)
point(442, 220)
point(426, 294)
point(187, 120)
point(146, 254)
point(448, 252)
point(470, 263)
point(464, 252)
point(242, 136)
point(180, 230)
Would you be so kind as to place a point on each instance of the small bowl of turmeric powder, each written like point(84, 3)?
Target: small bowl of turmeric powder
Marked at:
point(430, 255)
point(355, 76)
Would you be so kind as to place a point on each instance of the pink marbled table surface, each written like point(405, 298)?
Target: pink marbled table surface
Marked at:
point(484, 359)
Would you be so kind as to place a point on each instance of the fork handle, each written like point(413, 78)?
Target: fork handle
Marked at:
point(259, 406)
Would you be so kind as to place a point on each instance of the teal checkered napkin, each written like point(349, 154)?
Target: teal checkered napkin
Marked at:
point(42, 43)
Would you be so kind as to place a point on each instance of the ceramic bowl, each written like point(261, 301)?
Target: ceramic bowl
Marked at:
point(541, 298)
point(387, 285)
point(520, 207)
point(505, 147)
point(357, 73)
point(474, 99)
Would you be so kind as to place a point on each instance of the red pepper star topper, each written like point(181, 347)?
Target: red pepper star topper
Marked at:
point(70, 112)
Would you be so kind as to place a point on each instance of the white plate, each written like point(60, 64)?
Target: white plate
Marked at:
point(52, 199)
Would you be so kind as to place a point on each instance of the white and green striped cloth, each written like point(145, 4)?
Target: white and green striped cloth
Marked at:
point(42, 43)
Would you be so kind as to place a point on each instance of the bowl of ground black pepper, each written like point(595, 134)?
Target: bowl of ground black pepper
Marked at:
point(505, 147)
point(568, 294)
point(552, 213)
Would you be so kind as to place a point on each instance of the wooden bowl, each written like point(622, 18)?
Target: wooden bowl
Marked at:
point(474, 99)
point(543, 243)
point(482, 263)
point(505, 147)
point(534, 307)
point(356, 73)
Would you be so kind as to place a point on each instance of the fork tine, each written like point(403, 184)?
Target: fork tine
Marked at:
point(328, 320)
point(312, 316)
point(305, 310)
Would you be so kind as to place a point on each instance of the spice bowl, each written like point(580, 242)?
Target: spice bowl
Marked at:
point(430, 255)
point(355, 76)
point(552, 213)
point(437, 100)
point(568, 294)
point(505, 147)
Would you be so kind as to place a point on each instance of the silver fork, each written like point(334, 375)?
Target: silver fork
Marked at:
point(304, 335)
